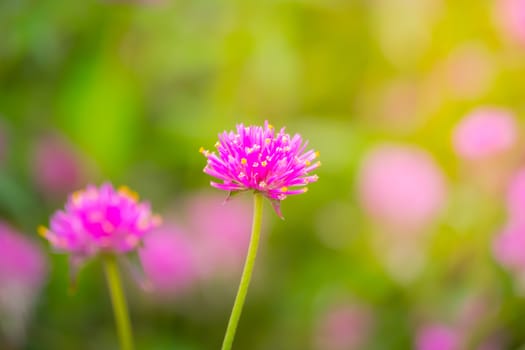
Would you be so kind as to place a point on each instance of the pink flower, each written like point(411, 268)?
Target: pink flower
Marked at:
point(510, 15)
point(221, 240)
point(256, 158)
point(401, 187)
point(516, 197)
point(168, 261)
point(100, 220)
point(485, 132)
point(508, 248)
point(438, 337)
point(56, 167)
point(23, 270)
point(344, 327)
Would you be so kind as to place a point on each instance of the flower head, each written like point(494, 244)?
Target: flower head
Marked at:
point(510, 16)
point(485, 132)
point(438, 337)
point(100, 220)
point(259, 159)
point(56, 166)
point(23, 271)
point(222, 239)
point(168, 261)
point(344, 326)
point(393, 174)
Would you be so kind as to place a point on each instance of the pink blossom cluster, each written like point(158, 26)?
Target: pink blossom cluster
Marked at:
point(100, 219)
point(23, 271)
point(259, 159)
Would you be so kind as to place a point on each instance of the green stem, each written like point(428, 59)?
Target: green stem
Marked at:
point(118, 299)
point(246, 273)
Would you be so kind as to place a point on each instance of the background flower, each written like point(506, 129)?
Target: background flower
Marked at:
point(485, 132)
point(23, 271)
point(401, 187)
point(100, 220)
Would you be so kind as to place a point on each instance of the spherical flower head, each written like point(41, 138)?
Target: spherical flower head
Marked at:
point(57, 168)
point(516, 197)
point(438, 337)
point(100, 220)
point(259, 159)
point(508, 248)
point(168, 260)
point(344, 327)
point(222, 239)
point(401, 187)
point(485, 132)
point(21, 260)
point(510, 15)
point(23, 271)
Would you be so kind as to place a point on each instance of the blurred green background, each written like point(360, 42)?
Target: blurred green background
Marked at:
point(136, 87)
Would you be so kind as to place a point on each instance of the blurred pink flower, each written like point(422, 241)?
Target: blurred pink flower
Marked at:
point(508, 248)
point(57, 168)
point(23, 270)
point(516, 197)
point(510, 16)
point(221, 232)
point(485, 132)
point(401, 187)
point(438, 337)
point(100, 219)
point(469, 71)
point(168, 261)
point(344, 327)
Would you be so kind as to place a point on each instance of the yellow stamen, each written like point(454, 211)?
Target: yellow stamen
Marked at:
point(201, 149)
point(244, 161)
point(42, 231)
point(307, 162)
point(76, 197)
point(270, 126)
point(305, 189)
point(317, 154)
point(284, 189)
point(264, 163)
point(124, 190)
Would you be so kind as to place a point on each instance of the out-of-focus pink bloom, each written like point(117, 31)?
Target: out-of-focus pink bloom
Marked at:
point(221, 232)
point(516, 197)
point(438, 337)
point(23, 270)
point(344, 327)
point(485, 132)
point(399, 104)
point(57, 168)
point(508, 248)
point(168, 261)
point(401, 187)
point(256, 158)
point(100, 220)
point(510, 15)
point(469, 71)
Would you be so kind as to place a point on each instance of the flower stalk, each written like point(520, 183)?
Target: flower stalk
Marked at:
point(246, 273)
point(118, 300)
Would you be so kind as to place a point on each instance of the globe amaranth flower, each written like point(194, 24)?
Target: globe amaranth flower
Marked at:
point(259, 159)
point(100, 220)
